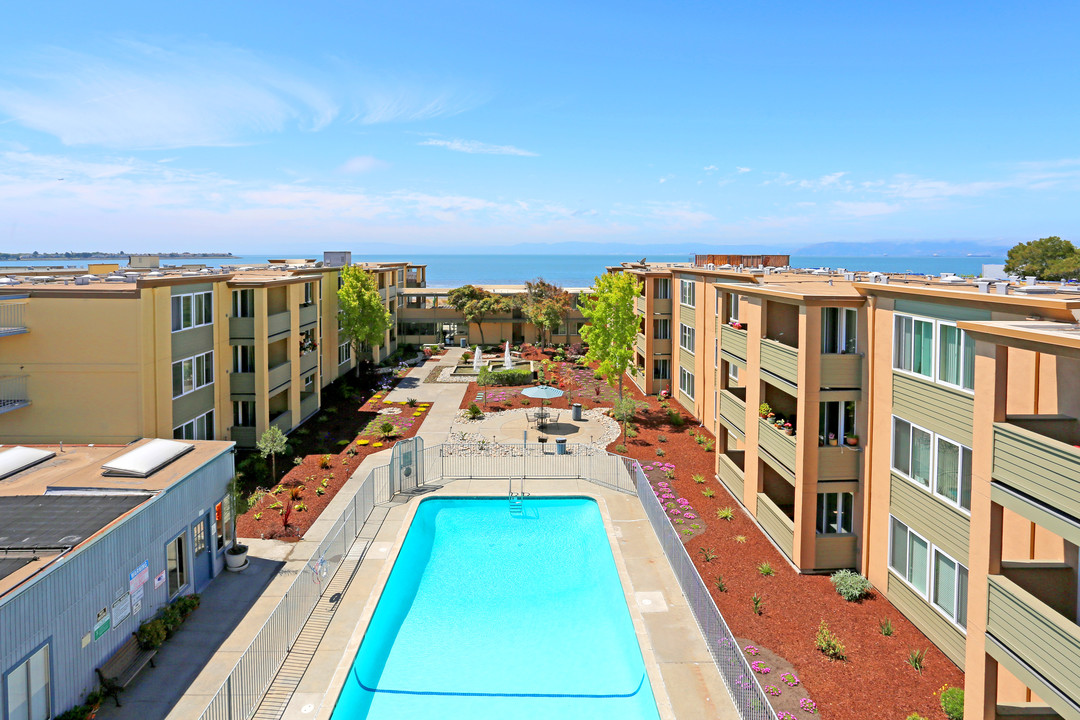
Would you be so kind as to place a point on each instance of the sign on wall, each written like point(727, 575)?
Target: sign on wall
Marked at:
point(159, 580)
point(121, 609)
point(102, 623)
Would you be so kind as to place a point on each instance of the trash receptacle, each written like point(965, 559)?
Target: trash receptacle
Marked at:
point(560, 446)
point(575, 412)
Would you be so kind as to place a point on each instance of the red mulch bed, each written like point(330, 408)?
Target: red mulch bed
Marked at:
point(875, 681)
point(346, 419)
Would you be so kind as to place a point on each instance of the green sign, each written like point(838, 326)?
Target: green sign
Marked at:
point(103, 623)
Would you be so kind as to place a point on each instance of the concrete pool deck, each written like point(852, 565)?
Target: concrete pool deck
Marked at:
point(686, 683)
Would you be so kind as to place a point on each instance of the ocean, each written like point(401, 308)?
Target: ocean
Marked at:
point(571, 270)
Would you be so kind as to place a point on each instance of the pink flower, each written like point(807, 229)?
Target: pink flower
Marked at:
point(690, 516)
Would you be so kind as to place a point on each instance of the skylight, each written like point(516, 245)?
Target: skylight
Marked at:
point(147, 459)
point(19, 458)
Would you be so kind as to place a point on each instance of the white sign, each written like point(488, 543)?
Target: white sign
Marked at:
point(136, 600)
point(159, 580)
point(121, 609)
point(138, 577)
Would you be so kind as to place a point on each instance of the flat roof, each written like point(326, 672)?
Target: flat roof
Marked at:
point(1044, 336)
point(29, 522)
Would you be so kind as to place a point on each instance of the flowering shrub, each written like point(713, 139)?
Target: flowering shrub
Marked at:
point(751, 650)
point(808, 705)
point(772, 690)
point(759, 666)
point(789, 679)
point(783, 715)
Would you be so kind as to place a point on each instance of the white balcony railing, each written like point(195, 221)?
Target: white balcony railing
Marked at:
point(13, 393)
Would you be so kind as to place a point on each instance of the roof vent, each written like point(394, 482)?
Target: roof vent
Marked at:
point(147, 459)
point(1031, 280)
point(821, 271)
point(849, 276)
point(884, 279)
point(1037, 290)
point(20, 458)
point(1002, 288)
point(983, 285)
point(952, 279)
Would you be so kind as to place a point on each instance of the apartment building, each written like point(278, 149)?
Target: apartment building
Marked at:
point(931, 446)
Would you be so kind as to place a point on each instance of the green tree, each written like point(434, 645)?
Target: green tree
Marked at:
point(612, 325)
point(1048, 258)
point(272, 443)
point(364, 317)
point(545, 305)
point(476, 305)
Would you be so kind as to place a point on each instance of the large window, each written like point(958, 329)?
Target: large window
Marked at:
point(909, 556)
point(950, 588)
point(309, 293)
point(662, 288)
point(661, 369)
point(192, 310)
point(344, 352)
point(244, 413)
point(201, 428)
point(835, 513)
point(192, 373)
point(243, 358)
point(732, 308)
point(836, 420)
point(27, 688)
point(944, 581)
point(686, 382)
point(915, 350)
point(243, 303)
point(838, 327)
point(176, 566)
point(933, 462)
point(686, 337)
point(687, 293)
point(661, 328)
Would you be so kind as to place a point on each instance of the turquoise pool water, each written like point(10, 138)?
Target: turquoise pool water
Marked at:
point(488, 615)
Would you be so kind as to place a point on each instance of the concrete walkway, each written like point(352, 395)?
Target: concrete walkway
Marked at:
point(445, 397)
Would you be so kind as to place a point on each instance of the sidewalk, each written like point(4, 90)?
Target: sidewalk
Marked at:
point(444, 397)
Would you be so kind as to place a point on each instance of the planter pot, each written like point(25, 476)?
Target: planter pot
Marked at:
point(236, 561)
point(789, 431)
point(832, 442)
point(851, 441)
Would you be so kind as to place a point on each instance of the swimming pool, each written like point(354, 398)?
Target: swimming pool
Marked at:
point(489, 615)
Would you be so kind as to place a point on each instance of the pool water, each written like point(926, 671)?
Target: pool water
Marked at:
point(491, 615)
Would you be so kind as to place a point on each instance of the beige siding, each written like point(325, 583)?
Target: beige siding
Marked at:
point(733, 410)
point(841, 371)
point(834, 552)
point(1040, 466)
point(192, 342)
point(686, 359)
point(775, 523)
point(733, 342)
point(839, 462)
point(938, 408)
point(944, 526)
point(730, 475)
point(780, 360)
point(949, 638)
point(780, 446)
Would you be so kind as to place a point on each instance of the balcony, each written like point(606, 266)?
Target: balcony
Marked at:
point(730, 469)
point(243, 435)
point(780, 360)
point(13, 393)
point(12, 320)
point(1035, 455)
point(1034, 642)
point(779, 446)
point(308, 362)
point(309, 404)
point(778, 525)
point(309, 315)
point(242, 383)
point(277, 324)
point(839, 462)
point(283, 421)
point(639, 344)
point(279, 376)
point(242, 328)
point(661, 306)
point(841, 371)
point(835, 552)
point(639, 304)
point(733, 409)
point(733, 341)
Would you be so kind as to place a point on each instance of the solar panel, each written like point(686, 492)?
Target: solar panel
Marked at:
point(147, 459)
point(19, 458)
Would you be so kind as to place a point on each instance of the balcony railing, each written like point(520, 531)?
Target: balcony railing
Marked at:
point(243, 435)
point(779, 526)
point(309, 361)
point(841, 371)
point(780, 360)
point(1036, 640)
point(279, 375)
point(839, 462)
point(12, 320)
point(283, 421)
point(639, 304)
point(729, 468)
point(13, 393)
point(242, 383)
point(639, 343)
point(309, 403)
point(277, 323)
point(309, 314)
point(733, 341)
point(733, 409)
point(779, 446)
point(1037, 464)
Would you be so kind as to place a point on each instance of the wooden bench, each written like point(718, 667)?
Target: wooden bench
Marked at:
point(120, 669)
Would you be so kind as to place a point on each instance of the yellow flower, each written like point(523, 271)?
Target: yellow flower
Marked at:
point(363, 442)
point(378, 444)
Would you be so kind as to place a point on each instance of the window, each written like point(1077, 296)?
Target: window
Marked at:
point(192, 310)
point(909, 555)
point(309, 383)
point(836, 419)
point(661, 329)
point(661, 369)
point(662, 289)
point(952, 479)
point(718, 302)
point(838, 327)
point(956, 357)
point(243, 358)
point(227, 518)
point(687, 293)
point(686, 337)
point(29, 695)
point(732, 308)
point(176, 566)
point(344, 352)
point(914, 349)
point(686, 382)
point(835, 513)
point(201, 428)
point(198, 538)
point(716, 353)
point(219, 525)
point(733, 375)
point(911, 451)
point(309, 293)
point(950, 588)
point(192, 373)
point(244, 413)
point(243, 303)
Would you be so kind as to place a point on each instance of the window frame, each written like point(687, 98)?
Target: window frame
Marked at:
point(193, 308)
point(344, 352)
point(935, 351)
point(932, 480)
point(845, 316)
point(208, 371)
point(238, 414)
point(659, 323)
point(683, 375)
point(932, 590)
point(687, 290)
point(662, 289)
point(687, 332)
point(667, 366)
point(932, 551)
point(24, 665)
point(184, 566)
point(209, 427)
point(842, 517)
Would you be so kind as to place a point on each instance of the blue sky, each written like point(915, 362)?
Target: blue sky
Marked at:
point(257, 127)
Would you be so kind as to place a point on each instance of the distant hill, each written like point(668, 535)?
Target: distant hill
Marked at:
point(906, 248)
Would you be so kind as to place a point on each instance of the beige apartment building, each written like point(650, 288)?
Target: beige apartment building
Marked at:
point(933, 446)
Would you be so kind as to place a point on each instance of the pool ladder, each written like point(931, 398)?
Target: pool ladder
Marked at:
point(516, 498)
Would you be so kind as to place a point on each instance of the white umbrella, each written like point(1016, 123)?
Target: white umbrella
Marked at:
point(542, 392)
point(476, 360)
point(507, 362)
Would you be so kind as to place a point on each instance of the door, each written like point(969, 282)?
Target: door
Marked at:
point(202, 559)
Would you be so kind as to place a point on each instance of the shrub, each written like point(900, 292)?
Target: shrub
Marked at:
point(886, 627)
point(766, 569)
point(698, 478)
point(708, 445)
point(631, 432)
point(707, 554)
point(661, 438)
point(758, 603)
point(915, 716)
point(386, 429)
point(676, 419)
point(296, 492)
point(300, 507)
point(411, 402)
point(503, 378)
point(850, 585)
point(708, 492)
point(660, 452)
point(828, 643)
point(474, 412)
point(725, 513)
point(151, 634)
point(620, 448)
point(719, 583)
point(952, 702)
point(188, 604)
point(298, 460)
point(741, 539)
point(341, 443)
point(326, 461)
point(915, 659)
point(171, 619)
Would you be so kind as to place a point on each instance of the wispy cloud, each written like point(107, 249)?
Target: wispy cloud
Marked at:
point(477, 148)
point(410, 102)
point(362, 164)
point(742, 170)
point(710, 168)
point(135, 95)
point(864, 209)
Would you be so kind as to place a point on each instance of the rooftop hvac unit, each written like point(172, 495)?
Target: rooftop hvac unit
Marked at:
point(952, 279)
point(983, 286)
point(710, 266)
point(849, 276)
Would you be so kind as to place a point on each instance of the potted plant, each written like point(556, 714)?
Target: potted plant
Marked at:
point(764, 410)
point(851, 439)
point(236, 556)
point(832, 438)
point(789, 429)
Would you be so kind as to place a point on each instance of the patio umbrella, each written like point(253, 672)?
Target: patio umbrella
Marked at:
point(542, 392)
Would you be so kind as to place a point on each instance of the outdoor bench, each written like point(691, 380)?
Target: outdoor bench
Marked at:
point(120, 669)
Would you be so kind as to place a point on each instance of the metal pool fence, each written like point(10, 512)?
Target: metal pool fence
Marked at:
point(243, 689)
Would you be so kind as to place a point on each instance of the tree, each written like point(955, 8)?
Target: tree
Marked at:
point(545, 305)
point(476, 304)
point(364, 317)
point(613, 324)
point(1048, 258)
point(272, 443)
